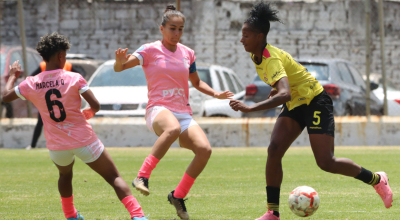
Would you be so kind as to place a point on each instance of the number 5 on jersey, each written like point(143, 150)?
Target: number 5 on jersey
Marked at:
point(50, 103)
point(316, 115)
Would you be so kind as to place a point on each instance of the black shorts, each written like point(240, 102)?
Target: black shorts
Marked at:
point(317, 116)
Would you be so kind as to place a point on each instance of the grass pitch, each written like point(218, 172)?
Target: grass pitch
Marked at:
point(231, 187)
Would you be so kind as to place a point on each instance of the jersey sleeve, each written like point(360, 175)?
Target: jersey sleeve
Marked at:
point(274, 71)
point(83, 86)
point(142, 53)
point(22, 90)
point(192, 67)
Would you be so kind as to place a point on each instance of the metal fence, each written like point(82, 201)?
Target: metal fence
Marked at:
point(340, 43)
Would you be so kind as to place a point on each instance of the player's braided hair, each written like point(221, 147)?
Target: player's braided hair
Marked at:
point(170, 12)
point(50, 44)
point(260, 17)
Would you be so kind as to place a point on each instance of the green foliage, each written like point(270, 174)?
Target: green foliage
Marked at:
point(231, 187)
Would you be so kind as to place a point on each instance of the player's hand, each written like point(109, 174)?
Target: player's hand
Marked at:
point(224, 95)
point(272, 93)
point(121, 56)
point(15, 69)
point(88, 113)
point(239, 106)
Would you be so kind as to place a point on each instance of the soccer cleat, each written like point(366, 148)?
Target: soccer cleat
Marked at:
point(139, 218)
point(78, 217)
point(179, 205)
point(269, 215)
point(383, 189)
point(142, 185)
point(29, 147)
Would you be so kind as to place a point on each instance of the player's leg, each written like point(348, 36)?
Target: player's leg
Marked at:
point(321, 126)
point(64, 161)
point(166, 126)
point(194, 139)
point(286, 130)
point(98, 158)
point(36, 133)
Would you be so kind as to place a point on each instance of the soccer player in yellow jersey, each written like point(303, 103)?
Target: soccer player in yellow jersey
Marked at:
point(305, 104)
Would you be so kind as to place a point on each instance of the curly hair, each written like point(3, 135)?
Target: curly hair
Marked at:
point(169, 12)
point(260, 17)
point(51, 44)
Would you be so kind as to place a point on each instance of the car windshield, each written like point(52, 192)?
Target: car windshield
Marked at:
point(317, 70)
point(108, 77)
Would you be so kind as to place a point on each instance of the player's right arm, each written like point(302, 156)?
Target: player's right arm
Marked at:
point(93, 103)
point(124, 61)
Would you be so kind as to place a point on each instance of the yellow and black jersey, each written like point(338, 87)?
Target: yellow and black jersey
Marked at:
point(277, 64)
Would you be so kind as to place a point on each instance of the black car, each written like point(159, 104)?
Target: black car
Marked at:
point(341, 81)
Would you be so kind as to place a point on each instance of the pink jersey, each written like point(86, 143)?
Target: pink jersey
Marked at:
point(56, 94)
point(167, 75)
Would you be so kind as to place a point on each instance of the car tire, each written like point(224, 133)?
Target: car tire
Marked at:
point(348, 111)
point(7, 107)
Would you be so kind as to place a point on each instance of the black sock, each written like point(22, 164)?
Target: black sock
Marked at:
point(368, 177)
point(273, 199)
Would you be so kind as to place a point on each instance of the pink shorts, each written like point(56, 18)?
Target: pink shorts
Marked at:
point(87, 154)
point(184, 119)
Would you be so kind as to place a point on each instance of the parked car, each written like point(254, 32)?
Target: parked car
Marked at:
point(124, 94)
point(8, 55)
point(341, 81)
point(220, 79)
point(83, 64)
point(392, 93)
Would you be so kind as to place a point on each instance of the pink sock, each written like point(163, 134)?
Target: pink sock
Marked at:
point(148, 165)
point(184, 186)
point(133, 207)
point(68, 207)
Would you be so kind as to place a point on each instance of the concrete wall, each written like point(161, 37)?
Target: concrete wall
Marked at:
point(221, 132)
point(323, 29)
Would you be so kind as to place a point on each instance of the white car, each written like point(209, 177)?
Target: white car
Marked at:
point(220, 79)
point(393, 98)
point(120, 94)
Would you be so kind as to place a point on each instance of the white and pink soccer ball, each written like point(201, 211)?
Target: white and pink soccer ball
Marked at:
point(303, 201)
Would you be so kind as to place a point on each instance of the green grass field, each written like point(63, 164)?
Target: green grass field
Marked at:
point(231, 187)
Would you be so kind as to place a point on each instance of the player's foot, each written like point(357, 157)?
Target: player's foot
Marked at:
point(28, 147)
point(142, 185)
point(268, 216)
point(383, 189)
point(78, 217)
point(139, 218)
point(179, 205)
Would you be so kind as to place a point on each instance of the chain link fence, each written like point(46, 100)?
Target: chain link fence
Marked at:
point(328, 37)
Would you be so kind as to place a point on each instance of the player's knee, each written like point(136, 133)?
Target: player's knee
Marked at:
point(274, 151)
point(174, 132)
point(326, 165)
point(205, 151)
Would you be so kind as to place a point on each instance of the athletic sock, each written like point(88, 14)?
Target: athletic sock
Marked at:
point(273, 199)
point(148, 165)
point(68, 207)
point(368, 177)
point(133, 207)
point(184, 186)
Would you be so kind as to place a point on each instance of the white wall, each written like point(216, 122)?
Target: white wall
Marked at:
point(221, 132)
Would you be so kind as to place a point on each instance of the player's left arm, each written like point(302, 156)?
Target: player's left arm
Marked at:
point(282, 96)
point(206, 89)
point(9, 93)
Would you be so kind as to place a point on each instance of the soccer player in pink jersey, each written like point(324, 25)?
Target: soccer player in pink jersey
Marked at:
point(56, 94)
point(168, 65)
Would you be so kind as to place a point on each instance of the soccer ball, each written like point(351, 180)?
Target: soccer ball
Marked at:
point(303, 201)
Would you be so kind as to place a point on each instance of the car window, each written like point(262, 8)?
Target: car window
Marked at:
point(2, 63)
point(221, 82)
point(357, 77)
point(230, 82)
point(108, 77)
point(344, 73)
point(32, 63)
point(318, 70)
point(238, 85)
point(204, 75)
